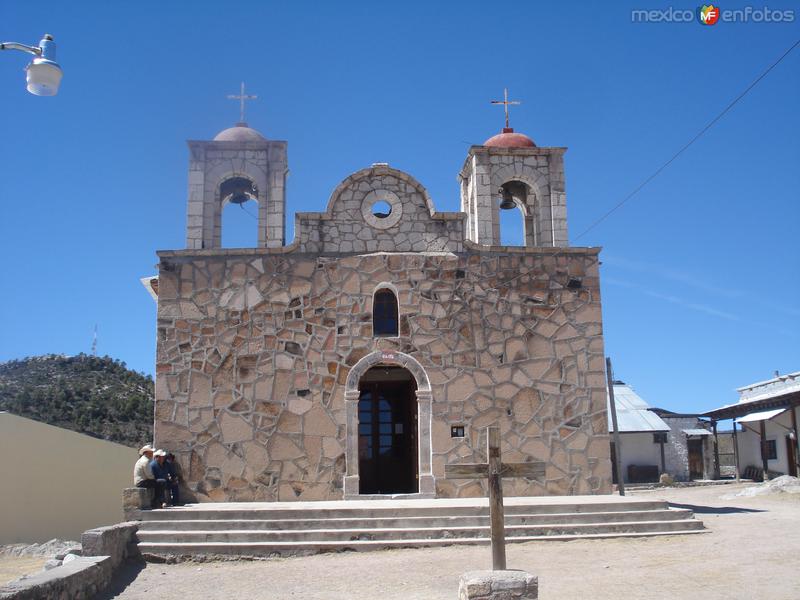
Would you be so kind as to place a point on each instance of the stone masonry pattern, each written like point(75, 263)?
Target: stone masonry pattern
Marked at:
point(254, 349)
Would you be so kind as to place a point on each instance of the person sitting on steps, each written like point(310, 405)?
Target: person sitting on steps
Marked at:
point(173, 472)
point(143, 476)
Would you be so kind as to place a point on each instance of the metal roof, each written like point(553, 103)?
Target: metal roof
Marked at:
point(763, 415)
point(696, 431)
point(775, 391)
point(633, 413)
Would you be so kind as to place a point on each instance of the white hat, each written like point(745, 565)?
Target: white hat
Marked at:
point(159, 452)
point(145, 448)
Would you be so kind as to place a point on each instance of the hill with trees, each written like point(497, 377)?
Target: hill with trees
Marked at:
point(98, 396)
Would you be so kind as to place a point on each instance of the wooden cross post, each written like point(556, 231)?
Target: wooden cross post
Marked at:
point(495, 470)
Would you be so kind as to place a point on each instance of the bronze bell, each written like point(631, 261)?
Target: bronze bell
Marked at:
point(506, 200)
point(239, 190)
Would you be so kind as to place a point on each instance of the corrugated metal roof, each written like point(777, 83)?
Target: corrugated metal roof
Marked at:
point(696, 431)
point(633, 413)
point(763, 415)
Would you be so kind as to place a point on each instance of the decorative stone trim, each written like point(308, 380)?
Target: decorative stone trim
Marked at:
point(427, 485)
point(396, 209)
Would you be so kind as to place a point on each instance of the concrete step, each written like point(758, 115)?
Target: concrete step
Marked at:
point(159, 550)
point(412, 522)
point(239, 536)
point(283, 528)
point(264, 512)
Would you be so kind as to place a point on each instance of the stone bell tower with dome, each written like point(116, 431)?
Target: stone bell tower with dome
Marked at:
point(507, 172)
point(239, 164)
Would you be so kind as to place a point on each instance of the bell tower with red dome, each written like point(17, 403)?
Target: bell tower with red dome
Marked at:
point(510, 172)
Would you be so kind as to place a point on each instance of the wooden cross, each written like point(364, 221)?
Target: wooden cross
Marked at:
point(506, 103)
point(242, 97)
point(495, 470)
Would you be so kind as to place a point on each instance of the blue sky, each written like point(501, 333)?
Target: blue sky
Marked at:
point(700, 271)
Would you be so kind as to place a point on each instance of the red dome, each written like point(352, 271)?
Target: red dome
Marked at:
point(509, 139)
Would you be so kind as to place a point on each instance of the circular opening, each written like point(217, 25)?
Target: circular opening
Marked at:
point(381, 209)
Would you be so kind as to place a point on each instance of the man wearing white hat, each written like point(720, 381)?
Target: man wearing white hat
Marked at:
point(143, 475)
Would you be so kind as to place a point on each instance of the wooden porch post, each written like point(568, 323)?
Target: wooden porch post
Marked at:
point(716, 451)
point(764, 462)
point(796, 441)
point(736, 449)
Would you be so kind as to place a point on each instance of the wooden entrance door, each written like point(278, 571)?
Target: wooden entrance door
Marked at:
point(696, 470)
point(791, 456)
point(387, 438)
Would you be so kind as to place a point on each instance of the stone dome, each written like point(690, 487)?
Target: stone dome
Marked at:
point(239, 133)
point(509, 139)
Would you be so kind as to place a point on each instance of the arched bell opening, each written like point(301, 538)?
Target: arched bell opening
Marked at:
point(513, 222)
point(239, 200)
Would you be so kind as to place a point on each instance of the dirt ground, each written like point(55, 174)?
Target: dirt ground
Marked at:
point(752, 550)
point(13, 567)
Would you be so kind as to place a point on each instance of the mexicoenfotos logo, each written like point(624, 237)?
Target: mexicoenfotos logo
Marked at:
point(711, 14)
point(708, 15)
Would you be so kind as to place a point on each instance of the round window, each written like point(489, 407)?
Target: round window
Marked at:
point(381, 209)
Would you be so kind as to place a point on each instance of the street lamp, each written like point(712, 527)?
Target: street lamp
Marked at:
point(43, 72)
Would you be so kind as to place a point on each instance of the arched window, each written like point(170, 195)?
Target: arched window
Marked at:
point(384, 313)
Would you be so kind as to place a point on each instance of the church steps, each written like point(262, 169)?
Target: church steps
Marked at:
point(411, 521)
point(394, 533)
point(283, 529)
point(156, 551)
point(196, 512)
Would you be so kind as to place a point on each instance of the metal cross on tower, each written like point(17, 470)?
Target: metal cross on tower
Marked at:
point(505, 102)
point(242, 97)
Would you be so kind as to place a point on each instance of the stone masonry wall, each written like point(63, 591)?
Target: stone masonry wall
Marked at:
point(254, 348)
point(349, 225)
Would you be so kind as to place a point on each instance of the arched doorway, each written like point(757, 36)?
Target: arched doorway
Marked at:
point(387, 431)
point(419, 394)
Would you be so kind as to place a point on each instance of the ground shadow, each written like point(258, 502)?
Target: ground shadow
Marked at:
point(125, 575)
point(715, 510)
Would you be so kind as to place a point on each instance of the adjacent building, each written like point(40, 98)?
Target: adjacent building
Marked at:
point(765, 426)
point(58, 483)
point(655, 441)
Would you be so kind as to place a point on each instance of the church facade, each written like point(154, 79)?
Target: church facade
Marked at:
point(375, 348)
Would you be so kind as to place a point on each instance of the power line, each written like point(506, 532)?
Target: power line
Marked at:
point(686, 146)
point(674, 156)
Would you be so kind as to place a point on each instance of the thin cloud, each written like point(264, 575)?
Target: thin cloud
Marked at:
point(703, 308)
point(695, 282)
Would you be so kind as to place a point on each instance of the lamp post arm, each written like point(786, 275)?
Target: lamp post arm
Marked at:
point(17, 46)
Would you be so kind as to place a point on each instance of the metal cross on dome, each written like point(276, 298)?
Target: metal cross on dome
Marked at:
point(242, 97)
point(506, 103)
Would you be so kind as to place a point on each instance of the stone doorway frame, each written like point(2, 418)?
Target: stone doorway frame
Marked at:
point(427, 487)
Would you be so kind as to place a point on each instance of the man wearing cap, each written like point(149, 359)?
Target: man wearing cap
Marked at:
point(143, 475)
point(160, 476)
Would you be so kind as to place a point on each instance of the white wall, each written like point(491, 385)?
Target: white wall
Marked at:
point(58, 483)
point(638, 449)
point(750, 443)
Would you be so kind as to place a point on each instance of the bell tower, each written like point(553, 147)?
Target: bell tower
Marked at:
point(238, 165)
point(510, 172)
